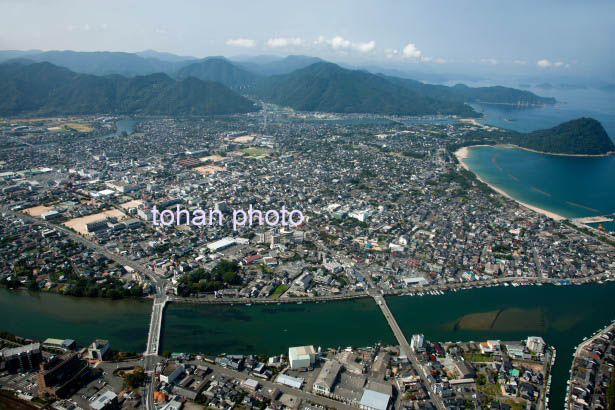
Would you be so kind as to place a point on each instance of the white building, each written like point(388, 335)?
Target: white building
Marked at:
point(301, 356)
point(416, 343)
point(536, 344)
point(373, 400)
point(361, 216)
point(221, 244)
point(172, 372)
point(98, 349)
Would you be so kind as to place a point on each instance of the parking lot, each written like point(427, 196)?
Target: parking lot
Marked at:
point(21, 382)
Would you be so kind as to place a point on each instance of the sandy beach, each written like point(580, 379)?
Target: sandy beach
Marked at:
point(555, 153)
point(463, 153)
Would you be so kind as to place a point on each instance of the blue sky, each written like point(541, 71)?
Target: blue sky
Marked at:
point(559, 37)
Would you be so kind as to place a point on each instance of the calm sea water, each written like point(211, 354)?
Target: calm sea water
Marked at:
point(570, 186)
point(571, 104)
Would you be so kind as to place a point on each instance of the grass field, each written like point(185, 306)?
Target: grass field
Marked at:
point(79, 127)
point(255, 151)
point(278, 291)
point(477, 357)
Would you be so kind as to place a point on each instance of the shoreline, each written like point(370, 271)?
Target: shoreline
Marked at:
point(463, 153)
point(608, 154)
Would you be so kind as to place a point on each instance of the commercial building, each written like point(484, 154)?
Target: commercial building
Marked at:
point(536, 344)
point(60, 344)
point(221, 244)
point(416, 343)
point(301, 357)
point(326, 378)
point(98, 349)
point(250, 385)
point(295, 382)
point(373, 400)
point(60, 373)
point(20, 359)
point(172, 372)
point(106, 401)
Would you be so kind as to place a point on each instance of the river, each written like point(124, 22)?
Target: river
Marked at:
point(562, 315)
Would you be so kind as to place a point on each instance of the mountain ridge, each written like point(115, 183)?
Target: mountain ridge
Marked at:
point(43, 88)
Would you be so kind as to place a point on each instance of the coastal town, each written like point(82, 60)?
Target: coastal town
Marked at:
point(386, 205)
point(482, 375)
point(388, 209)
point(591, 376)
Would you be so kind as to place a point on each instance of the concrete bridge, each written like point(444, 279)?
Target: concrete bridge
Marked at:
point(406, 350)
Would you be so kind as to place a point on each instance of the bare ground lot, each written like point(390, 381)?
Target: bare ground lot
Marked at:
point(37, 211)
point(79, 224)
point(208, 169)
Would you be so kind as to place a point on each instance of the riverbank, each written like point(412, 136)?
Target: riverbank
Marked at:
point(463, 153)
point(577, 357)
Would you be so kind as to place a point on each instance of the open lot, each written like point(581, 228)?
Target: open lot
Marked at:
point(37, 210)
point(213, 158)
point(208, 169)
point(79, 224)
point(131, 204)
point(244, 139)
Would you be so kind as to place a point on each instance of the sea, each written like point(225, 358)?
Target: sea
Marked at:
point(570, 186)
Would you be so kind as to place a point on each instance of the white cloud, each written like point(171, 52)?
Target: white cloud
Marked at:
point(87, 27)
point(438, 60)
point(340, 42)
point(491, 61)
point(410, 51)
point(284, 42)
point(241, 42)
point(365, 47)
point(391, 52)
point(544, 63)
point(342, 45)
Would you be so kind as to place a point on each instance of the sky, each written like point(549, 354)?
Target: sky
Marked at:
point(548, 37)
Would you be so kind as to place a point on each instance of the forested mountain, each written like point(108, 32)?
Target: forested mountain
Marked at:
point(104, 62)
point(45, 89)
point(277, 66)
point(463, 93)
point(330, 88)
point(583, 136)
point(221, 70)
